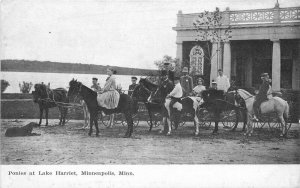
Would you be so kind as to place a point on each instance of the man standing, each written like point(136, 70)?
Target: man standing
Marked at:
point(96, 86)
point(186, 82)
point(222, 81)
point(132, 86)
point(262, 93)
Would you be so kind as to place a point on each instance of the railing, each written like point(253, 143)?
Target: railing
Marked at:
point(255, 16)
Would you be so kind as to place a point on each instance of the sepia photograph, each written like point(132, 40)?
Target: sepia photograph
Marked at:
point(132, 83)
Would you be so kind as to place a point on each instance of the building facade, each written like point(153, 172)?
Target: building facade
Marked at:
point(262, 40)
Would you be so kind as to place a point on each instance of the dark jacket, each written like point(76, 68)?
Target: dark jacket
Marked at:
point(186, 83)
point(166, 87)
point(263, 91)
point(131, 88)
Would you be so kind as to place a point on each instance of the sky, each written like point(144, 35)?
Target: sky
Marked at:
point(128, 33)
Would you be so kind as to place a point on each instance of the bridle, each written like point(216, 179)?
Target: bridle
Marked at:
point(78, 93)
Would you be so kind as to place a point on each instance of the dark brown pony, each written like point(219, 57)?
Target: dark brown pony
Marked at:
point(216, 102)
point(125, 105)
point(47, 98)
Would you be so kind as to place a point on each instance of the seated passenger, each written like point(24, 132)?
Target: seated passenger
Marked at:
point(197, 91)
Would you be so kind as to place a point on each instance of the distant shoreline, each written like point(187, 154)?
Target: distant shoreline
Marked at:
point(67, 68)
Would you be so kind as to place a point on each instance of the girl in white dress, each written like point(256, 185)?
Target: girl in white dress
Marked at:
point(109, 97)
point(197, 91)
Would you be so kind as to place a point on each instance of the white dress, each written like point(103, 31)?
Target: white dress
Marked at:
point(109, 99)
point(198, 90)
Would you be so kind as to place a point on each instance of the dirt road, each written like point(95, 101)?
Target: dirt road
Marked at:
point(72, 145)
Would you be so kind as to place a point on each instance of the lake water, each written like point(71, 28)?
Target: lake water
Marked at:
point(57, 79)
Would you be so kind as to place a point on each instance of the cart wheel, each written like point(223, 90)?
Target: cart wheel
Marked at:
point(104, 119)
point(229, 118)
point(181, 123)
point(204, 118)
point(259, 124)
point(155, 123)
point(135, 119)
point(288, 126)
point(118, 118)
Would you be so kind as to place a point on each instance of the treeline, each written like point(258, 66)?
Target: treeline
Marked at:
point(56, 67)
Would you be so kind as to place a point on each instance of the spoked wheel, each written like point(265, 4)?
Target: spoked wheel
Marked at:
point(135, 119)
point(204, 117)
point(155, 123)
point(69, 112)
point(181, 124)
point(156, 120)
point(228, 119)
point(104, 119)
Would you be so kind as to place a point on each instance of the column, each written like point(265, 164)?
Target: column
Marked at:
point(227, 60)
point(276, 58)
point(296, 69)
point(214, 62)
point(179, 51)
point(233, 64)
point(219, 55)
point(248, 73)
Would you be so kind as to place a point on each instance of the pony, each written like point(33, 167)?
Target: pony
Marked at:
point(187, 105)
point(89, 96)
point(216, 101)
point(274, 104)
point(47, 98)
point(143, 92)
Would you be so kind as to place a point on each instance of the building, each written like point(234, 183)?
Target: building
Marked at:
point(263, 40)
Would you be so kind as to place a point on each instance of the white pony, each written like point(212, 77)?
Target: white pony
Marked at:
point(274, 104)
point(189, 105)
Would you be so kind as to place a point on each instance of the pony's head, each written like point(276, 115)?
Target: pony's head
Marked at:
point(40, 92)
point(74, 88)
point(140, 93)
point(148, 84)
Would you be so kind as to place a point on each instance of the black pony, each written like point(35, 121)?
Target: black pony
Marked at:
point(216, 102)
point(142, 93)
point(47, 98)
point(125, 105)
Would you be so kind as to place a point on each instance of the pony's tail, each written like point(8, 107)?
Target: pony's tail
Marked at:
point(286, 112)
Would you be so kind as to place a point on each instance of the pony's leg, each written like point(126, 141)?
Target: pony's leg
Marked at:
point(41, 115)
point(129, 120)
point(65, 112)
point(61, 115)
point(217, 116)
point(283, 126)
point(169, 126)
point(162, 124)
point(196, 123)
point(245, 117)
point(96, 124)
point(150, 119)
point(238, 113)
point(91, 124)
point(47, 112)
point(249, 130)
point(176, 118)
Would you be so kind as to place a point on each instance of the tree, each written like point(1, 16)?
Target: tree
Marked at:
point(209, 28)
point(25, 87)
point(173, 63)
